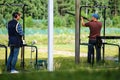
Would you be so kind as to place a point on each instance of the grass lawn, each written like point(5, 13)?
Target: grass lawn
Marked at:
point(74, 75)
point(64, 64)
point(66, 69)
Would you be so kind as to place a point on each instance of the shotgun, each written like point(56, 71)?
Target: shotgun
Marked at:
point(74, 15)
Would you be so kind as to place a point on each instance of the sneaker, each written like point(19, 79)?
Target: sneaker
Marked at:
point(14, 71)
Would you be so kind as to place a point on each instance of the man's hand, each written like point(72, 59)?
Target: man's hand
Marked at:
point(82, 21)
point(81, 18)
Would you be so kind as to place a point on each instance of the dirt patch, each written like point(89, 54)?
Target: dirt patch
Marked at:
point(62, 52)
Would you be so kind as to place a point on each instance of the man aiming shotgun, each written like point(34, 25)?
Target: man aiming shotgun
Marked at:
point(95, 29)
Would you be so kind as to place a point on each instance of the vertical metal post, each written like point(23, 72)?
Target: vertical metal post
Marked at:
point(5, 55)
point(77, 36)
point(24, 22)
point(23, 49)
point(119, 54)
point(104, 33)
point(36, 55)
point(50, 35)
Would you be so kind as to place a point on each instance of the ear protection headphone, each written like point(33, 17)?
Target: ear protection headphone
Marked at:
point(15, 14)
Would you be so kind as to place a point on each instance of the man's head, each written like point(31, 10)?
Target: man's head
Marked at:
point(16, 15)
point(95, 16)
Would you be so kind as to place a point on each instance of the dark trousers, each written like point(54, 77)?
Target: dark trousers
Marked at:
point(12, 58)
point(92, 44)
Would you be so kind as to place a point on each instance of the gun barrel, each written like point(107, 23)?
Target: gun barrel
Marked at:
point(74, 15)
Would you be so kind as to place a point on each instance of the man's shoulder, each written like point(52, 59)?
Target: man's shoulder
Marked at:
point(97, 22)
point(100, 22)
point(12, 21)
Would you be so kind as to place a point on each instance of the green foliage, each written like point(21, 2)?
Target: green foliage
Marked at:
point(65, 5)
point(29, 22)
point(1, 21)
point(114, 6)
point(66, 21)
point(42, 24)
point(35, 23)
point(37, 9)
point(59, 21)
point(70, 21)
point(109, 22)
point(116, 21)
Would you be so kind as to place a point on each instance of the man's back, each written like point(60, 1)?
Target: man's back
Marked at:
point(95, 28)
point(14, 38)
point(12, 28)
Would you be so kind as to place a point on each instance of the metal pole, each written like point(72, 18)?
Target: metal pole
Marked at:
point(50, 35)
point(119, 54)
point(5, 55)
point(24, 22)
point(77, 35)
point(104, 34)
point(23, 49)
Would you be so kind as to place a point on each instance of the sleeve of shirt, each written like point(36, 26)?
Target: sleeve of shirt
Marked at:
point(19, 29)
point(87, 24)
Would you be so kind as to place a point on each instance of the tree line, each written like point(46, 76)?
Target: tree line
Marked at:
point(37, 10)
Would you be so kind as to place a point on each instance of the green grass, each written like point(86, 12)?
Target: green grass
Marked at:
point(68, 64)
point(66, 69)
point(64, 65)
point(74, 75)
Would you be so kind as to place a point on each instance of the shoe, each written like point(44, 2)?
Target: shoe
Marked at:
point(14, 71)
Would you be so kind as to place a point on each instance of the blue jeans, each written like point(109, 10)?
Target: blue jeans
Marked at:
point(12, 58)
point(91, 45)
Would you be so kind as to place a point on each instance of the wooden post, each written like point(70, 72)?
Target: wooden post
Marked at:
point(77, 37)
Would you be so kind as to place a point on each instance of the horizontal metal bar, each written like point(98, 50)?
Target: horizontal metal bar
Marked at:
point(112, 44)
point(1, 45)
point(108, 37)
point(94, 7)
point(13, 5)
point(118, 48)
point(29, 45)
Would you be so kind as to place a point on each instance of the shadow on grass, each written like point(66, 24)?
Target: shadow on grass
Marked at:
point(65, 69)
point(65, 64)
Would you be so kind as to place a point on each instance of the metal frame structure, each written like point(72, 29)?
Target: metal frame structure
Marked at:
point(104, 29)
point(5, 47)
point(104, 43)
point(36, 49)
point(78, 30)
point(80, 10)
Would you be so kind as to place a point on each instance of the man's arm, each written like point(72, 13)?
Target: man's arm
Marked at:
point(82, 21)
point(19, 29)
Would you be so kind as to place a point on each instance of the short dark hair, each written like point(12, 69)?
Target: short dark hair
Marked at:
point(14, 15)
